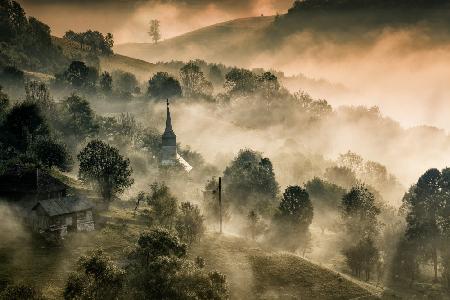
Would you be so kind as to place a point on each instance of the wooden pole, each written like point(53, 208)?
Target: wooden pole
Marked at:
point(220, 203)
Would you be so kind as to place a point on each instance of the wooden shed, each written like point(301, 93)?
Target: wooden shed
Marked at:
point(62, 215)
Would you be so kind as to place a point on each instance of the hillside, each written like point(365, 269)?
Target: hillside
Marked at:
point(253, 273)
point(224, 42)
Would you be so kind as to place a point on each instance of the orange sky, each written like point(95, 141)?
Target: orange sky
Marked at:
point(128, 19)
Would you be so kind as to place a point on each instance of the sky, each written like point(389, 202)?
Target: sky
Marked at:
point(128, 19)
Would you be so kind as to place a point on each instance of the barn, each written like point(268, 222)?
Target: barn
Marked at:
point(59, 216)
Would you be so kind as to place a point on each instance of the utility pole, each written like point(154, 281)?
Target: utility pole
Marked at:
point(220, 203)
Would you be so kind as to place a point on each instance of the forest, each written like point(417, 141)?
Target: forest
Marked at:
point(316, 201)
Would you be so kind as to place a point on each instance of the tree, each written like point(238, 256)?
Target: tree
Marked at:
point(80, 76)
point(424, 204)
point(293, 217)
point(125, 82)
point(50, 153)
point(359, 214)
point(102, 164)
point(240, 82)
point(164, 86)
point(268, 86)
point(249, 182)
point(12, 77)
point(326, 198)
point(97, 278)
point(163, 204)
point(106, 82)
point(362, 257)
point(159, 269)
point(154, 31)
point(194, 81)
point(23, 124)
point(189, 223)
point(38, 93)
point(77, 118)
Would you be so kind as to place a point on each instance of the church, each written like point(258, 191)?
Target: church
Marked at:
point(169, 153)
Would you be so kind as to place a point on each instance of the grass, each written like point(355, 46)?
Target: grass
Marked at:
point(252, 272)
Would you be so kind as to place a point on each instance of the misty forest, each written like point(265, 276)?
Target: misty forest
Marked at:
point(204, 149)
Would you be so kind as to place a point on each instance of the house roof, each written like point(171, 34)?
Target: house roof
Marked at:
point(64, 205)
point(26, 180)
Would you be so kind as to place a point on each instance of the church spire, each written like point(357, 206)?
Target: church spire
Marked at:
point(168, 120)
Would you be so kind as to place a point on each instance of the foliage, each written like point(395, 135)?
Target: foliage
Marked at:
point(20, 292)
point(154, 30)
point(249, 182)
point(103, 165)
point(341, 176)
point(240, 82)
point(362, 257)
point(23, 124)
point(50, 153)
point(26, 42)
point(77, 118)
point(125, 83)
point(215, 75)
point(79, 76)
point(189, 223)
point(293, 218)
point(193, 81)
point(12, 77)
point(427, 216)
point(164, 86)
point(159, 270)
point(97, 278)
point(163, 204)
point(326, 198)
point(359, 213)
point(4, 103)
point(106, 82)
point(95, 41)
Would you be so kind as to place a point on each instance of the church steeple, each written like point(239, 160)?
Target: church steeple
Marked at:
point(169, 141)
point(168, 129)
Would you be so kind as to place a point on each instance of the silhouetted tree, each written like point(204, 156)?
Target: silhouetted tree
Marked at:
point(240, 82)
point(103, 165)
point(164, 86)
point(154, 30)
point(249, 182)
point(293, 217)
point(163, 204)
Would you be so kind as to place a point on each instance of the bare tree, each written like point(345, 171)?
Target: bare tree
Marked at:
point(154, 31)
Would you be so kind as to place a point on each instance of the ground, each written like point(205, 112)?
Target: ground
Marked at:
point(253, 272)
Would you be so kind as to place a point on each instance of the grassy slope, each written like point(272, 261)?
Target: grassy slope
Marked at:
point(223, 42)
point(252, 272)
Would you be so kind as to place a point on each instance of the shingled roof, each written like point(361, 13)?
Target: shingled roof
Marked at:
point(65, 205)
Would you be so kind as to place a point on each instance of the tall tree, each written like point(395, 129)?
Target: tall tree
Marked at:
point(293, 217)
point(424, 205)
point(154, 30)
point(103, 165)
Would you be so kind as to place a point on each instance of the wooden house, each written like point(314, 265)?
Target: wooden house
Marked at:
point(59, 216)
